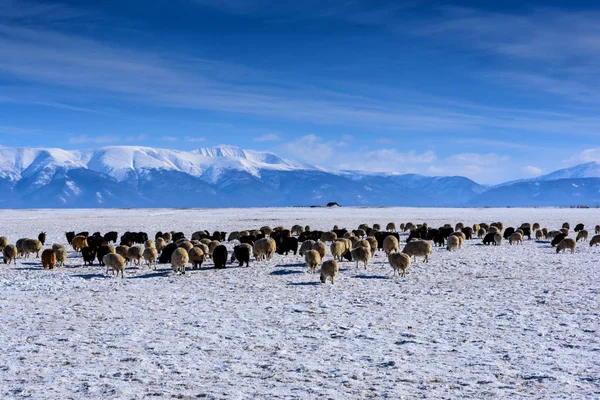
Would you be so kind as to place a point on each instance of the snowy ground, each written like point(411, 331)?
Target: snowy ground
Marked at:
point(483, 322)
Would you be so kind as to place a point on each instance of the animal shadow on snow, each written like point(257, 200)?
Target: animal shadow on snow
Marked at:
point(90, 276)
point(153, 274)
point(363, 276)
point(304, 284)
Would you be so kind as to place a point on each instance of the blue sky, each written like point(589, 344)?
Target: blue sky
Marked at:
point(494, 92)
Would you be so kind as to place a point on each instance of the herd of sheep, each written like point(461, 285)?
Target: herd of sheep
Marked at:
point(358, 245)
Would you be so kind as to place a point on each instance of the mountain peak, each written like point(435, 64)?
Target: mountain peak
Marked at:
point(586, 170)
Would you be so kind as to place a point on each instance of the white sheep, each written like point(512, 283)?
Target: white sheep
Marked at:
point(32, 246)
point(306, 246)
point(160, 244)
point(416, 248)
point(390, 243)
point(179, 260)
point(338, 248)
point(453, 243)
point(61, 254)
point(135, 254)
point(516, 237)
point(150, 255)
point(3, 242)
point(116, 262)
point(149, 243)
point(264, 248)
point(10, 252)
point(313, 260)
point(196, 256)
point(321, 248)
point(399, 261)
point(361, 253)
point(329, 269)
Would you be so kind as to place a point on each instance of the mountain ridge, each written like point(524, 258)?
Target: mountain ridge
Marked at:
point(228, 176)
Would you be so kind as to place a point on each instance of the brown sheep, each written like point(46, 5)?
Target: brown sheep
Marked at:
point(595, 240)
point(79, 242)
point(390, 243)
point(361, 253)
point(399, 261)
point(582, 235)
point(566, 243)
point(416, 248)
point(321, 248)
point(3, 242)
point(10, 252)
point(313, 260)
point(48, 259)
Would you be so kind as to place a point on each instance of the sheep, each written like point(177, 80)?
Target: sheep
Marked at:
point(61, 254)
point(287, 244)
point(539, 235)
point(329, 269)
point(297, 230)
point(266, 230)
point(373, 244)
point(361, 253)
point(220, 256)
point(566, 243)
point(595, 240)
point(48, 259)
point(79, 242)
point(545, 232)
point(212, 245)
point(468, 232)
point(566, 226)
point(32, 246)
point(498, 225)
point(418, 248)
point(233, 236)
point(135, 254)
point(453, 243)
point(42, 237)
point(515, 238)
point(564, 231)
point(196, 257)
point(10, 252)
point(399, 261)
point(328, 237)
point(364, 227)
point(185, 244)
point(409, 226)
point(122, 251)
point(3, 242)
point(116, 262)
point(361, 243)
point(476, 227)
point(390, 243)
point(264, 248)
point(461, 237)
point(481, 233)
point(493, 229)
point(390, 227)
point(179, 259)
point(89, 254)
point(597, 229)
point(242, 254)
point(160, 244)
point(338, 248)
point(459, 226)
point(557, 239)
point(149, 243)
point(167, 237)
point(102, 251)
point(582, 235)
point(535, 226)
point(552, 234)
point(402, 227)
point(307, 228)
point(321, 248)
point(205, 241)
point(313, 260)
point(150, 254)
point(111, 236)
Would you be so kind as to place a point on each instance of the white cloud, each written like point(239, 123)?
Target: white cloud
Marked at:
point(269, 137)
point(191, 139)
point(587, 155)
point(531, 170)
point(478, 159)
point(169, 138)
point(93, 139)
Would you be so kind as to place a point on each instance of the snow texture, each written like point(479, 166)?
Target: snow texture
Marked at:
point(481, 322)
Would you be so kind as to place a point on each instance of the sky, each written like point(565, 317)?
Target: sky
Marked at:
point(494, 92)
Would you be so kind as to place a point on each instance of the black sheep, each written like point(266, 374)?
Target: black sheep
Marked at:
point(249, 239)
point(439, 240)
point(468, 231)
point(558, 238)
point(219, 256)
point(111, 236)
point(69, 236)
point(241, 254)
point(84, 233)
point(42, 237)
point(508, 231)
point(489, 238)
point(165, 256)
point(141, 237)
point(579, 227)
point(286, 245)
point(101, 252)
point(89, 254)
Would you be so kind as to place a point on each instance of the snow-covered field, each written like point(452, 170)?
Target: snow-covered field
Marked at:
point(482, 322)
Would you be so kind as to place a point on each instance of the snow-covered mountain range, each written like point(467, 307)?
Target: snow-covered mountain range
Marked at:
point(128, 176)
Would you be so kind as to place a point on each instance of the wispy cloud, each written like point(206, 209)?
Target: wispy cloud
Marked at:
point(269, 137)
point(585, 156)
point(105, 139)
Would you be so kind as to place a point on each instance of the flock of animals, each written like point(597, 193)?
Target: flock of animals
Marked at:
point(357, 245)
